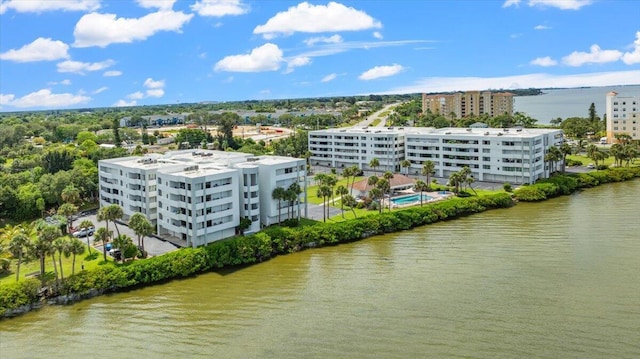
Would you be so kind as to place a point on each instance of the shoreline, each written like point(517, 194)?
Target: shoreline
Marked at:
point(272, 242)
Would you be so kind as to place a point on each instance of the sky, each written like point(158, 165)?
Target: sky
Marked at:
point(60, 54)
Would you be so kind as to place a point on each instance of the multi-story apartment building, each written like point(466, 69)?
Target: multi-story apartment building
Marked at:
point(344, 147)
point(623, 116)
point(462, 104)
point(513, 155)
point(197, 197)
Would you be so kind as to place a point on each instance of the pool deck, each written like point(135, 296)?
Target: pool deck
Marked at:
point(435, 196)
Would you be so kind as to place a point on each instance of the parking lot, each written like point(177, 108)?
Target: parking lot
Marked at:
point(153, 245)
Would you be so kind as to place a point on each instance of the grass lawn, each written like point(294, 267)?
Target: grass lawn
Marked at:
point(375, 122)
point(33, 266)
point(312, 191)
point(586, 160)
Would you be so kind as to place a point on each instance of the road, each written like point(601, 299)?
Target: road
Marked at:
point(375, 115)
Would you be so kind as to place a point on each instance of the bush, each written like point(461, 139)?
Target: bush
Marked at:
point(17, 294)
point(507, 187)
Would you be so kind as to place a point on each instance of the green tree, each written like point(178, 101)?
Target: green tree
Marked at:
point(61, 246)
point(405, 164)
point(141, 227)
point(421, 187)
point(374, 163)
point(85, 225)
point(18, 245)
point(350, 202)
point(428, 169)
point(342, 191)
point(325, 192)
point(125, 244)
point(279, 194)
point(68, 210)
point(75, 247)
point(388, 175)
point(102, 235)
point(293, 195)
point(110, 213)
point(43, 246)
point(565, 150)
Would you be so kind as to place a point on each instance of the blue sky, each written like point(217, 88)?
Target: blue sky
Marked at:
point(98, 53)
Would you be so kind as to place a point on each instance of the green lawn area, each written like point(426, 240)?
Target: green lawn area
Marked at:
point(375, 122)
point(312, 191)
point(33, 266)
point(586, 160)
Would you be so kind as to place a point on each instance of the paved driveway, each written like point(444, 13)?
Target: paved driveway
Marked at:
point(153, 245)
point(315, 211)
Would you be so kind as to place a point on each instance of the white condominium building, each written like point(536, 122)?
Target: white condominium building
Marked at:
point(623, 116)
point(513, 155)
point(344, 147)
point(195, 197)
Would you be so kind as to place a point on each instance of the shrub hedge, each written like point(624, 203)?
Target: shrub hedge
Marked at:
point(277, 240)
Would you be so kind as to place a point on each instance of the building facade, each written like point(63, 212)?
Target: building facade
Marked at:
point(623, 116)
point(514, 155)
point(197, 197)
point(463, 104)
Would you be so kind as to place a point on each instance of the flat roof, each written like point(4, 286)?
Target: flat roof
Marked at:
point(453, 131)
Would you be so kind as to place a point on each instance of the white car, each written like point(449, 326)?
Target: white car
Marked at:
point(591, 166)
point(84, 232)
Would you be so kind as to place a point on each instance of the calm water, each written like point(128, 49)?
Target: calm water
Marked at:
point(566, 103)
point(559, 279)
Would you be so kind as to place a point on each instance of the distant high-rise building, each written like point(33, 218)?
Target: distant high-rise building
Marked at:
point(623, 116)
point(462, 104)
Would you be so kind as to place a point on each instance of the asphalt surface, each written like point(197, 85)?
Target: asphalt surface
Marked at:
point(153, 245)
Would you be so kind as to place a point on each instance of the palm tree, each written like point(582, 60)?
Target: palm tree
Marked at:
point(383, 186)
point(388, 175)
point(351, 202)
point(405, 164)
point(61, 245)
point(376, 194)
point(85, 225)
point(421, 186)
point(75, 247)
point(17, 246)
point(70, 194)
point(374, 163)
point(110, 213)
point(342, 191)
point(294, 192)
point(324, 191)
point(347, 173)
point(454, 181)
point(102, 235)
point(354, 172)
point(552, 157)
point(279, 194)
point(428, 169)
point(565, 150)
point(68, 210)
point(43, 246)
point(141, 226)
point(123, 242)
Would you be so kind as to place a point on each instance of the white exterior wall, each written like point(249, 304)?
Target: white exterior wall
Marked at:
point(172, 191)
point(340, 148)
point(199, 206)
point(623, 116)
point(280, 172)
point(494, 155)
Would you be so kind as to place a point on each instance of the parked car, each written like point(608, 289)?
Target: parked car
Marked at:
point(84, 232)
point(591, 166)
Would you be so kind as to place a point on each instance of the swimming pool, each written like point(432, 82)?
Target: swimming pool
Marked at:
point(410, 199)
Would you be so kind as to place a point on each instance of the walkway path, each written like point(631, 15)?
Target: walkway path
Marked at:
point(375, 115)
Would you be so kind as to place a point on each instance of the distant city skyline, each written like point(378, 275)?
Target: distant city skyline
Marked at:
point(97, 53)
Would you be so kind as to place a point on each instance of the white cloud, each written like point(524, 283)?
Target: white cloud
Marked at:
point(81, 68)
point(536, 80)
point(381, 71)
point(220, 8)
point(101, 89)
point(309, 18)
point(123, 103)
point(104, 29)
point(329, 77)
point(332, 49)
point(135, 96)
point(40, 6)
point(297, 62)
point(515, 36)
point(41, 49)
point(156, 4)
point(541, 27)
point(65, 82)
point(155, 93)
point(334, 39)
point(633, 57)
point(44, 98)
point(560, 4)
point(594, 56)
point(264, 58)
point(544, 61)
point(112, 73)
point(377, 35)
point(152, 84)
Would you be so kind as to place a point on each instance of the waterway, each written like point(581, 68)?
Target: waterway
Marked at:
point(557, 279)
point(572, 102)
